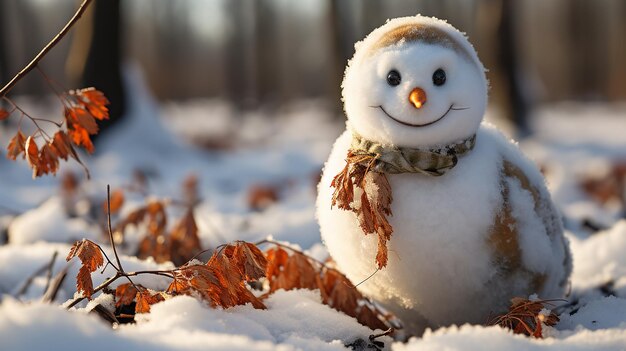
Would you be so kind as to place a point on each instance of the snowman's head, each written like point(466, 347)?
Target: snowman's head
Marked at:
point(415, 82)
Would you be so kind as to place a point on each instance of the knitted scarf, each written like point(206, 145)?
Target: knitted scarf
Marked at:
point(363, 188)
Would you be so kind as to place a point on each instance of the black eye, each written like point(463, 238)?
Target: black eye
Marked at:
point(439, 77)
point(393, 78)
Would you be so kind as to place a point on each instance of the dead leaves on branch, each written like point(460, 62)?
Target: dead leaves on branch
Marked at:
point(224, 281)
point(82, 109)
point(527, 317)
point(297, 271)
point(91, 257)
point(374, 205)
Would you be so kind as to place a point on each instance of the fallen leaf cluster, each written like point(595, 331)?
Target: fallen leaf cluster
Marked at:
point(82, 109)
point(374, 205)
point(225, 281)
point(527, 317)
point(177, 245)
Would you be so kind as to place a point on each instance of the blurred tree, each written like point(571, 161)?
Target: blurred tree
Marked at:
point(102, 67)
point(509, 61)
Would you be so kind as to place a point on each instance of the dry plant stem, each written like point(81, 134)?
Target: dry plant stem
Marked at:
point(117, 258)
point(49, 271)
point(35, 274)
point(83, 6)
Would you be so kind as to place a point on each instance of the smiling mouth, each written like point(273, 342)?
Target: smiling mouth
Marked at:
point(451, 108)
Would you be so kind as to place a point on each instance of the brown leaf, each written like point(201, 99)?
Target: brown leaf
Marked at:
point(185, 242)
point(117, 201)
point(525, 317)
point(4, 114)
point(298, 273)
point(124, 294)
point(145, 299)
point(83, 282)
point(48, 161)
point(190, 190)
point(276, 260)
point(60, 144)
point(32, 153)
point(197, 279)
point(250, 260)
point(94, 101)
point(375, 201)
point(261, 196)
point(80, 137)
point(79, 118)
point(16, 145)
point(89, 254)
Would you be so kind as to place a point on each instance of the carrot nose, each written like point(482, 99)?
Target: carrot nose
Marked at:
point(417, 97)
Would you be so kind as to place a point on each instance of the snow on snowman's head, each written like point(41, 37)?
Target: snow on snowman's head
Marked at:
point(415, 82)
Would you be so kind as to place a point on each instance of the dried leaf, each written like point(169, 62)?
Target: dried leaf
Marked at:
point(48, 161)
point(261, 196)
point(91, 258)
point(94, 101)
point(89, 254)
point(375, 201)
point(80, 118)
point(298, 273)
point(4, 114)
point(117, 200)
point(80, 137)
point(16, 145)
point(32, 153)
point(184, 240)
point(83, 282)
point(250, 260)
point(276, 260)
point(145, 299)
point(61, 146)
point(125, 294)
point(527, 316)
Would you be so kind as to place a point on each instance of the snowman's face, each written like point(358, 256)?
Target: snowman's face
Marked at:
point(415, 95)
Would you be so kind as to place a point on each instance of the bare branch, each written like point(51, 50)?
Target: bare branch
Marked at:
point(5, 90)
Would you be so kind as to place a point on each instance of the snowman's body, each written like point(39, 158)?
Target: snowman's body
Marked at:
point(463, 243)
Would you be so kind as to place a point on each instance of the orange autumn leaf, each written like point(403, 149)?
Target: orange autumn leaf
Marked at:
point(78, 117)
point(60, 144)
point(88, 253)
point(32, 155)
point(16, 146)
point(4, 114)
point(184, 239)
point(145, 299)
point(374, 207)
point(80, 137)
point(250, 260)
point(48, 161)
point(94, 101)
point(124, 294)
point(276, 260)
point(117, 201)
point(91, 258)
point(527, 317)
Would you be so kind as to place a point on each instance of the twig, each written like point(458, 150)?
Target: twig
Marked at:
point(117, 258)
point(49, 273)
point(95, 290)
point(29, 281)
point(53, 290)
point(5, 90)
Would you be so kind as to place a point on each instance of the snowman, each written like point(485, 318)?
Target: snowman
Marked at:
point(440, 216)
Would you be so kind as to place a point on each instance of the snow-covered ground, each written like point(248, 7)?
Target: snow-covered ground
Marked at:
point(284, 151)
